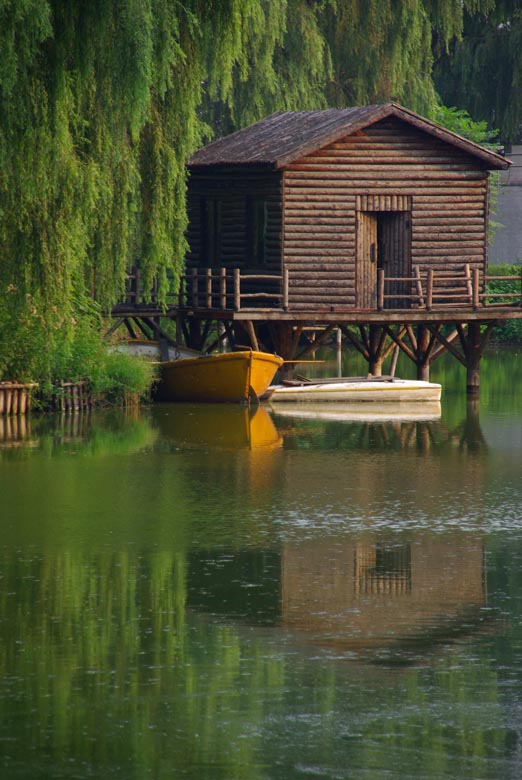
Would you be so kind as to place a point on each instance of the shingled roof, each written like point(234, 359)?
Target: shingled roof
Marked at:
point(282, 138)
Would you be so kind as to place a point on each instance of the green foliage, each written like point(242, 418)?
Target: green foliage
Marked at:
point(103, 102)
point(482, 69)
point(298, 55)
point(511, 330)
point(120, 378)
point(381, 52)
point(51, 349)
point(98, 118)
point(459, 121)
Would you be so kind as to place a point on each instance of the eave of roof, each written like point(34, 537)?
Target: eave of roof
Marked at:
point(282, 138)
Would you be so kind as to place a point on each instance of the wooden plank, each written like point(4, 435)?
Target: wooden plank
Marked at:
point(331, 172)
point(309, 197)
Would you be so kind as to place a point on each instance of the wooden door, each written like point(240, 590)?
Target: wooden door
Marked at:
point(366, 262)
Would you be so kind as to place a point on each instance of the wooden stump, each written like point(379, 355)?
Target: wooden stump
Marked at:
point(15, 397)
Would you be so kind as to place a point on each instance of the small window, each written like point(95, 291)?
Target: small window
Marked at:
point(210, 232)
point(257, 223)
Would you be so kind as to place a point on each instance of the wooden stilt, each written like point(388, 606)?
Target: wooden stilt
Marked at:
point(130, 329)
point(286, 337)
point(424, 346)
point(474, 343)
point(252, 334)
point(376, 344)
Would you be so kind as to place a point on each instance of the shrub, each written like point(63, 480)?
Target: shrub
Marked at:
point(49, 347)
point(122, 379)
point(511, 330)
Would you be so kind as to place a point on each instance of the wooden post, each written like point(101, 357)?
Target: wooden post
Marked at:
point(422, 353)
point(209, 288)
point(14, 399)
point(252, 335)
point(339, 352)
point(429, 290)
point(474, 350)
point(223, 288)
point(418, 285)
point(380, 289)
point(395, 357)
point(473, 343)
point(376, 342)
point(285, 340)
point(285, 289)
point(195, 297)
point(181, 291)
point(237, 289)
point(475, 288)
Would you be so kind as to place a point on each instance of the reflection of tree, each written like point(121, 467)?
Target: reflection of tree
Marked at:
point(105, 671)
point(115, 432)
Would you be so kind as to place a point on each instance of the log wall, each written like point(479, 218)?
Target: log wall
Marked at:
point(446, 187)
point(235, 191)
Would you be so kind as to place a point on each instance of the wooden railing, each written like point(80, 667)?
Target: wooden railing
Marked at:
point(438, 289)
point(432, 289)
point(216, 288)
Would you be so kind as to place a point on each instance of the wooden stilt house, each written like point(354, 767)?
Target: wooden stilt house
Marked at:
point(322, 202)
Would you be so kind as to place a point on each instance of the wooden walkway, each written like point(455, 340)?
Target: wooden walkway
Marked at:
point(424, 316)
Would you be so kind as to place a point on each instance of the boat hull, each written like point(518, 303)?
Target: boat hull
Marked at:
point(397, 390)
point(230, 377)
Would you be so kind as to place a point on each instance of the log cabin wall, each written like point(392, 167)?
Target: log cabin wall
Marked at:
point(388, 168)
point(235, 220)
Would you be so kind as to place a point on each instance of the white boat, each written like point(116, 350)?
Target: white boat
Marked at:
point(360, 389)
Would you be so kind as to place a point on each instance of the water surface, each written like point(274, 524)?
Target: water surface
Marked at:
point(202, 592)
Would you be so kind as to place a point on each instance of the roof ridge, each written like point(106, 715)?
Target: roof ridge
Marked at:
point(284, 136)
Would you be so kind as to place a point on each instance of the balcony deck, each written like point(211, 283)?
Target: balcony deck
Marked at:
point(424, 315)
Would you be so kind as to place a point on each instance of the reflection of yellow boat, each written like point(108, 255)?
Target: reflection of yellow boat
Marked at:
point(224, 426)
point(229, 376)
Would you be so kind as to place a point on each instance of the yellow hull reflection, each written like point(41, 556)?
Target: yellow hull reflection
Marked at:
point(227, 377)
point(227, 427)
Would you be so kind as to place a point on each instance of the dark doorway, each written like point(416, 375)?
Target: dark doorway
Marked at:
point(394, 256)
point(383, 241)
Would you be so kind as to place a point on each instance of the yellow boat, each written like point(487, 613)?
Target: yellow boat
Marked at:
point(226, 377)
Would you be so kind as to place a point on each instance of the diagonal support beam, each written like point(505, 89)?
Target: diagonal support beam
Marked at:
point(318, 341)
point(360, 346)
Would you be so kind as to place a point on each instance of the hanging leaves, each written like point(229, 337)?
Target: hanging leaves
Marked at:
point(482, 72)
point(103, 101)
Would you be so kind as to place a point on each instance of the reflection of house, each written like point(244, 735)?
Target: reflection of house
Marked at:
point(345, 592)
point(361, 594)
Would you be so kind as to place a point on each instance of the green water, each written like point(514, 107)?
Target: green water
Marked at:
point(190, 592)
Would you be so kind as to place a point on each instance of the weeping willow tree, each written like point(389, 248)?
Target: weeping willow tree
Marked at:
point(482, 70)
point(98, 116)
point(102, 102)
point(283, 63)
point(300, 54)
